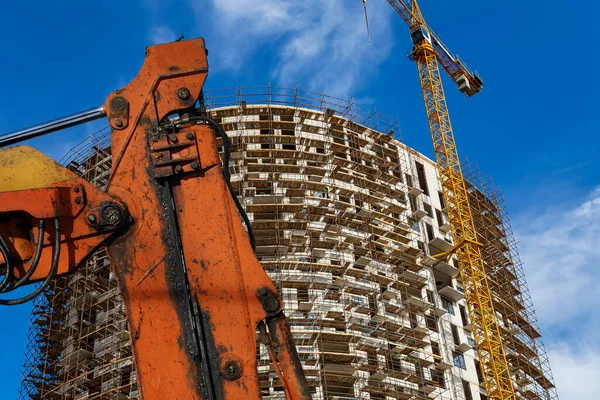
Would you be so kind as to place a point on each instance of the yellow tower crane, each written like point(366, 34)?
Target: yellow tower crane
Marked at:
point(428, 50)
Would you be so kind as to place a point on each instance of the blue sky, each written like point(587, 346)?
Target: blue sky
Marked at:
point(533, 128)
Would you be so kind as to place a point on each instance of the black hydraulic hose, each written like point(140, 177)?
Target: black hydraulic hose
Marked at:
point(8, 273)
point(34, 263)
point(227, 175)
point(51, 274)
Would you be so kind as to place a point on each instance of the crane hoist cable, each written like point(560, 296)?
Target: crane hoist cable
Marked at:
point(366, 19)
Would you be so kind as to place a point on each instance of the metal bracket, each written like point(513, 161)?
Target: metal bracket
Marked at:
point(175, 154)
point(108, 216)
point(269, 300)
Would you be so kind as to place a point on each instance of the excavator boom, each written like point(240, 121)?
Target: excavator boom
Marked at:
point(195, 295)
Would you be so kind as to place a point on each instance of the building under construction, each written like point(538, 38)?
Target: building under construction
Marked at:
point(347, 220)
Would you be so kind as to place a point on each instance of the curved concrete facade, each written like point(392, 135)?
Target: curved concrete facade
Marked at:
point(346, 218)
point(331, 209)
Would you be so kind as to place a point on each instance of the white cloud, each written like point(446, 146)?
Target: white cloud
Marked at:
point(320, 43)
point(162, 34)
point(576, 372)
point(560, 251)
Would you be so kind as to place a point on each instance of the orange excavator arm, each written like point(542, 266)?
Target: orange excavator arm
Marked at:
point(194, 292)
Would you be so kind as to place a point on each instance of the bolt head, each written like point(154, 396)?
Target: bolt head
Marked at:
point(195, 165)
point(178, 168)
point(263, 291)
point(91, 218)
point(189, 136)
point(76, 189)
point(173, 138)
point(112, 215)
point(271, 304)
point(231, 370)
point(118, 104)
point(183, 93)
point(119, 123)
point(77, 200)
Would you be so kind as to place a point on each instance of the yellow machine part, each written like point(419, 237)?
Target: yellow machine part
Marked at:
point(23, 167)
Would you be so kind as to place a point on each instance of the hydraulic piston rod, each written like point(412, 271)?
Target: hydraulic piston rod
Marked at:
point(52, 126)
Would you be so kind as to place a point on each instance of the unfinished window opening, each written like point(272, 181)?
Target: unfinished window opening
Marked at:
point(430, 296)
point(430, 234)
point(438, 377)
point(431, 322)
point(302, 295)
point(399, 173)
point(372, 304)
point(467, 390)
point(345, 199)
point(340, 155)
point(287, 118)
point(463, 315)
point(263, 117)
point(264, 191)
point(422, 178)
point(455, 336)
point(478, 370)
point(428, 210)
point(413, 204)
point(442, 202)
point(435, 349)
point(439, 216)
point(413, 320)
point(288, 146)
point(266, 216)
point(338, 138)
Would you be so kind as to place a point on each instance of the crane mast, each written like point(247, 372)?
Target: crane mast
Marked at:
point(427, 51)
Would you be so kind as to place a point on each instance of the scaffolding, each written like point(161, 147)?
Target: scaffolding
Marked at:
point(328, 202)
point(79, 345)
point(525, 352)
point(342, 228)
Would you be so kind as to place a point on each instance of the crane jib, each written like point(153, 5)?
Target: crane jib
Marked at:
point(428, 51)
